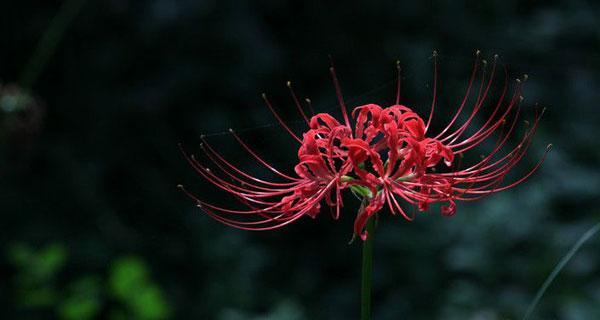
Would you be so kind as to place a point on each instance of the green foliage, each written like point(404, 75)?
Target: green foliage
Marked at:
point(127, 275)
point(41, 265)
point(130, 283)
point(83, 300)
point(35, 281)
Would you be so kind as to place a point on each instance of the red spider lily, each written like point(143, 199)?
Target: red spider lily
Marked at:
point(388, 157)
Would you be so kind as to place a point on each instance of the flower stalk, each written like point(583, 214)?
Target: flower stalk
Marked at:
point(367, 272)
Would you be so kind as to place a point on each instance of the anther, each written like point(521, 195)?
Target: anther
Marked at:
point(521, 98)
point(526, 122)
point(525, 77)
point(180, 186)
point(549, 147)
point(478, 52)
point(518, 80)
point(495, 57)
point(307, 100)
point(398, 65)
point(264, 96)
point(484, 61)
point(288, 84)
point(202, 136)
point(231, 130)
point(435, 53)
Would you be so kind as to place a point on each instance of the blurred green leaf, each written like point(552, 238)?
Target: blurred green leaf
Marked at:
point(83, 300)
point(149, 303)
point(50, 260)
point(129, 282)
point(43, 264)
point(36, 273)
point(37, 297)
point(127, 275)
point(19, 255)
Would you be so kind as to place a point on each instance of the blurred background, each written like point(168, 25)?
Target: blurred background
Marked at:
point(96, 95)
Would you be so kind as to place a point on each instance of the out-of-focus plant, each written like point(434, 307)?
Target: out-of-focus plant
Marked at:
point(129, 282)
point(35, 281)
point(83, 299)
point(127, 292)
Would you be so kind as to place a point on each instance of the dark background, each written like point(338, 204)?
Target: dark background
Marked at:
point(93, 225)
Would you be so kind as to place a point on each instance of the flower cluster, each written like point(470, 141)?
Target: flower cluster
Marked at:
point(387, 158)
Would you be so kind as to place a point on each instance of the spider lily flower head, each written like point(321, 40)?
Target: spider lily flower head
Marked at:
point(388, 158)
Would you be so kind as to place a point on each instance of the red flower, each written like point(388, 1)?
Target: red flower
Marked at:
point(388, 157)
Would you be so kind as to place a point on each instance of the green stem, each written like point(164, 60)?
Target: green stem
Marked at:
point(561, 264)
point(367, 271)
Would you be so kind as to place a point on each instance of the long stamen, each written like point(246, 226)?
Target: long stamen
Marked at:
point(434, 99)
point(257, 157)
point(481, 98)
point(310, 107)
point(296, 102)
point(488, 128)
point(465, 97)
point(210, 150)
point(499, 145)
point(340, 97)
point(399, 82)
point(281, 122)
point(497, 108)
